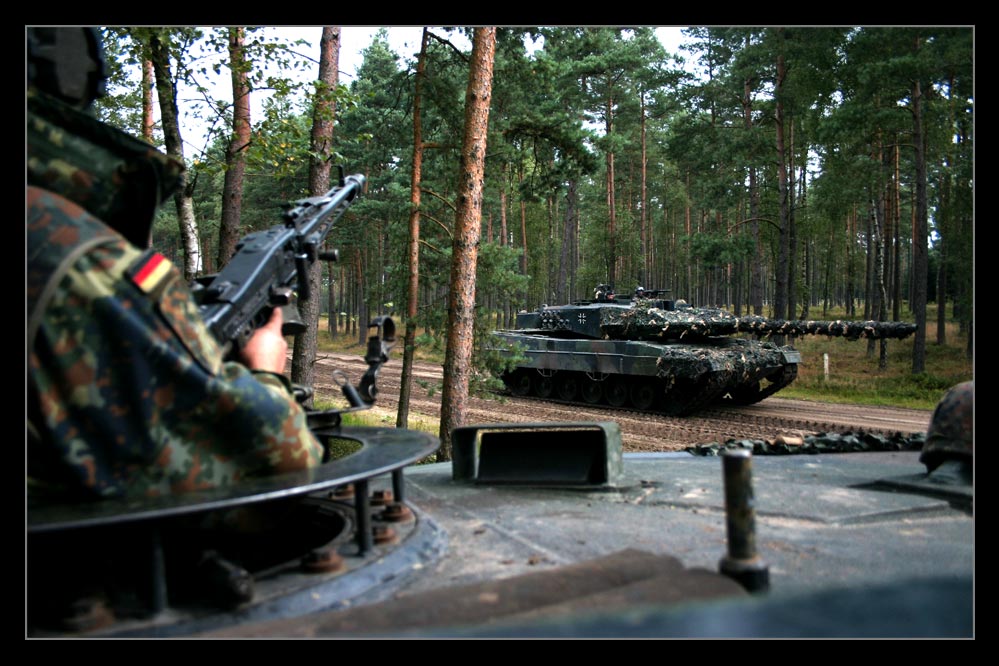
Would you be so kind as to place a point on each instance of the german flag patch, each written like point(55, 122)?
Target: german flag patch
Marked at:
point(151, 273)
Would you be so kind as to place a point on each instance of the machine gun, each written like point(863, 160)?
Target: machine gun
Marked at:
point(271, 270)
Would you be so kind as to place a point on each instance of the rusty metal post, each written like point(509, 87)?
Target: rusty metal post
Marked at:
point(365, 540)
point(157, 572)
point(398, 486)
point(742, 563)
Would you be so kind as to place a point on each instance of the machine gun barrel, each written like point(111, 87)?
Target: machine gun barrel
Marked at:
point(270, 268)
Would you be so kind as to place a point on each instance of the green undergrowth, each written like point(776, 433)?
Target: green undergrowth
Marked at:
point(856, 378)
point(379, 418)
point(426, 348)
point(374, 418)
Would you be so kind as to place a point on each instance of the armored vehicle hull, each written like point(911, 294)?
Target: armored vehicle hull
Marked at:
point(674, 377)
point(655, 354)
point(520, 537)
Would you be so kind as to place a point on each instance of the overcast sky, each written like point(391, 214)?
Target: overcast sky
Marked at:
point(404, 41)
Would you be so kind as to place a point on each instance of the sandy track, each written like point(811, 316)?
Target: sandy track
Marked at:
point(641, 431)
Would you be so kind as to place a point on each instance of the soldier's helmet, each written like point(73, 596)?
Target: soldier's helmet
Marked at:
point(951, 433)
point(67, 63)
point(640, 291)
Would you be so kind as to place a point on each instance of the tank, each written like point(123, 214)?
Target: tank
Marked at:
point(652, 353)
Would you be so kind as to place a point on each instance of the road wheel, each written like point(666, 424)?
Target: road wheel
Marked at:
point(643, 395)
point(518, 381)
point(617, 393)
point(544, 386)
point(593, 392)
point(567, 386)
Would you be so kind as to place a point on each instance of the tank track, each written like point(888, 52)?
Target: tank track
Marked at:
point(754, 393)
point(676, 397)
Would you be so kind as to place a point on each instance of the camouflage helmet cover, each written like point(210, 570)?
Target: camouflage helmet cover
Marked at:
point(951, 428)
point(67, 63)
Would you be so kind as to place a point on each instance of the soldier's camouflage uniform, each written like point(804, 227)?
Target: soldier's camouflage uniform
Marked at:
point(128, 394)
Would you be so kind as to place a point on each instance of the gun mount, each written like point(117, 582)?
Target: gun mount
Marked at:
point(654, 353)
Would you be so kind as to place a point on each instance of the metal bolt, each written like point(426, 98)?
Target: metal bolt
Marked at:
point(381, 497)
point(343, 492)
point(383, 534)
point(229, 584)
point(396, 512)
point(322, 561)
point(742, 563)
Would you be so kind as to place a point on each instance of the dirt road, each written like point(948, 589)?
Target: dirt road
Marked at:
point(641, 432)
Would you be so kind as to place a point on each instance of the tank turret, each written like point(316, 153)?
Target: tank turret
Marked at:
point(650, 352)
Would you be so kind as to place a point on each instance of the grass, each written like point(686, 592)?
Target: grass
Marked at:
point(855, 378)
point(346, 343)
point(378, 417)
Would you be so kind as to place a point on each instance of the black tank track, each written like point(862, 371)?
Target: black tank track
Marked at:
point(755, 393)
point(684, 397)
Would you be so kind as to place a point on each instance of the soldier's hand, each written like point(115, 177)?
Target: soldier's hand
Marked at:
point(267, 349)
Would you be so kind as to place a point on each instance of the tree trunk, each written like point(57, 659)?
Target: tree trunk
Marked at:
point(869, 270)
point(235, 154)
point(920, 258)
point(879, 308)
point(413, 286)
point(148, 83)
point(897, 243)
point(523, 237)
point(562, 288)
point(304, 356)
point(850, 274)
point(687, 291)
point(611, 205)
point(646, 267)
point(159, 53)
point(363, 314)
point(756, 269)
point(468, 220)
point(793, 272)
point(783, 194)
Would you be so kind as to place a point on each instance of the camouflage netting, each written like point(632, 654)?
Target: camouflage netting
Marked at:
point(825, 442)
point(646, 322)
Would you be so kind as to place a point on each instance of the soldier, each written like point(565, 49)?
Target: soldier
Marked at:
point(950, 440)
point(128, 393)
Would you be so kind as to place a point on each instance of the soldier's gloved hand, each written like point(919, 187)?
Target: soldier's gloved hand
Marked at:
point(267, 349)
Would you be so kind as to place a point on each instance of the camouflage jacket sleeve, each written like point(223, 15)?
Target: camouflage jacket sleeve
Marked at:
point(128, 393)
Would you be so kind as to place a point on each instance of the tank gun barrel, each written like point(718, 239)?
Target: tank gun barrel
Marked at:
point(654, 323)
point(852, 330)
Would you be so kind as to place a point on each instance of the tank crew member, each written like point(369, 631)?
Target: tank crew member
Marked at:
point(603, 293)
point(127, 392)
point(950, 439)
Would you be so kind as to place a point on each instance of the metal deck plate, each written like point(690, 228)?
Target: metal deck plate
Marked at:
point(819, 524)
